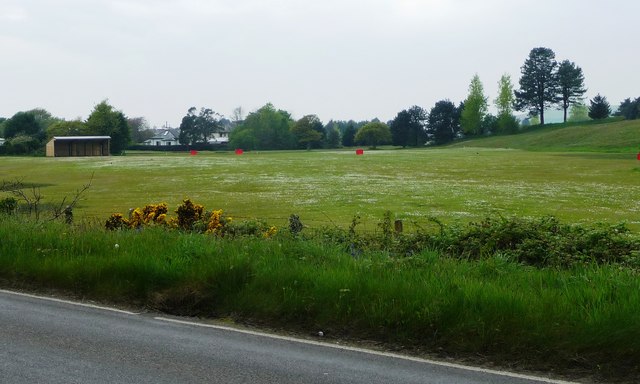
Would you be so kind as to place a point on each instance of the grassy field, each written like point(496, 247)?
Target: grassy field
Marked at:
point(330, 187)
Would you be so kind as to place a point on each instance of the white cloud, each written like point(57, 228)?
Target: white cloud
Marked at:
point(13, 13)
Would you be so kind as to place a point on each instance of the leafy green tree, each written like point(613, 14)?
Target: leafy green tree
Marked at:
point(67, 128)
point(23, 144)
point(198, 128)
point(333, 136)
point(505, 100)
point(578, 112)
point(25, 124)
point(599, 108)
point(373, 134)
point(244, 139)
point(26, 131)
point(140, 130)
point(308, 131)
point(571, 85)
point(475, 108)
point(104, 120)
point(630, 109)
point(538, 83)
point(489, 123)
point(408, 127)
point(506, 121)
point(44, 118)
point(443, 124)
point(266, 128)
point(349, 135)
point(507, 124)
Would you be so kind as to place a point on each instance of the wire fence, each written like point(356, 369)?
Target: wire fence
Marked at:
point(367, 225)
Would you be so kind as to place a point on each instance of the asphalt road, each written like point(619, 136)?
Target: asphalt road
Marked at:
point(46, 340)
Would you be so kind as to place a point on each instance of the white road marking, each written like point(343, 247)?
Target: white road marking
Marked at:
point(371, 352)
point(68, 302)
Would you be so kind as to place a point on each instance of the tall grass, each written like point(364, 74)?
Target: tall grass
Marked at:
point(547, 318)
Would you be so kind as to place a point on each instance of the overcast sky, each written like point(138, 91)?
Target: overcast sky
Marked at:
point(338, 59)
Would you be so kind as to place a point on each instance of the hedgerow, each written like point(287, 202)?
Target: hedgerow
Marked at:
point(539, 242)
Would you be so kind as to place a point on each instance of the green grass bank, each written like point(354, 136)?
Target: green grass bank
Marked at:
point(610, 135)
point(583, 317)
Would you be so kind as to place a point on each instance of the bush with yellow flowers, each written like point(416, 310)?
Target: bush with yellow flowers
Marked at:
point(190, 217)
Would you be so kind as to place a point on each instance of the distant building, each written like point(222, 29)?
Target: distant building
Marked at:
point(2, 140)
point(219, 138)
point(72, 146)
point(164, 137)
point(222, 137)
point(170, 136)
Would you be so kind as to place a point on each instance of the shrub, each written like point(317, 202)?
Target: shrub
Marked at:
point(116, 221)
point(191, 217)
point(8, 205)
point(545, 242)
point(188, 214)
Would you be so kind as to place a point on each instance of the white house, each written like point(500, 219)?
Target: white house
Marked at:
point(163, 137)
point(219, 138)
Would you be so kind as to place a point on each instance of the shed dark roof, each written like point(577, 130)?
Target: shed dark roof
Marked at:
point(81, 137)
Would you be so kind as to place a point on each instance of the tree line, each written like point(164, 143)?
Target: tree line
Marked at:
point(27, 132)
point(544, 83)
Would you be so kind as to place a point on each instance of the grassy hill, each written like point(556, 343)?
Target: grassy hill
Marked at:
point(594, 136)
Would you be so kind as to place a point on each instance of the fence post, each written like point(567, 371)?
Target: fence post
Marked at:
point(398, 226)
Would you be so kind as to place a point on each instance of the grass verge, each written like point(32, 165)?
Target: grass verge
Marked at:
point(556, 319)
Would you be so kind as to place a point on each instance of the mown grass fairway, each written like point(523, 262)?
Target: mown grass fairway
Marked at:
point(330, 187)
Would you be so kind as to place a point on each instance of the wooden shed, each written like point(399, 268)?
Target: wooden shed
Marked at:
point(70, 146)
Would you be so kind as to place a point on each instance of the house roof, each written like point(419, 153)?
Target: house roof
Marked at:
point(166, 134)
point(81, 137)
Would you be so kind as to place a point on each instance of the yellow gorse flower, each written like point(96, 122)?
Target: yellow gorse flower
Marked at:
point(190, 217)
point(215, 222)
point(270, 232)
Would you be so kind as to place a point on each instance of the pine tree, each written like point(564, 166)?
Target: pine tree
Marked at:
point(571, 85)
point(599, 108)
point(539, 83)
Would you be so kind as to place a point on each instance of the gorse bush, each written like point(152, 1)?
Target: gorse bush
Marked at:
point(189, 214)
point(190, 217)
